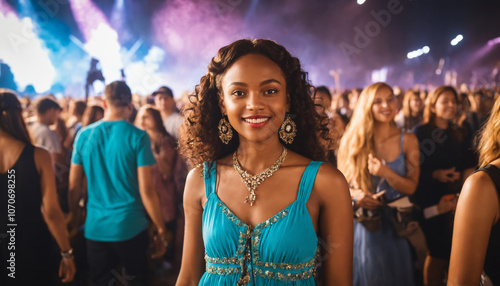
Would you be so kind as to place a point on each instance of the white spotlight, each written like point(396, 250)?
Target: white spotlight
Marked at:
point(457, 40)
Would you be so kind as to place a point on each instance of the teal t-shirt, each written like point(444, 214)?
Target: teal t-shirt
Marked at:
point(110, 152)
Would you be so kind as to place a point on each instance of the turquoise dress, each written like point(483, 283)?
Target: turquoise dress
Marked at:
point(279, 251)
point(382, 258)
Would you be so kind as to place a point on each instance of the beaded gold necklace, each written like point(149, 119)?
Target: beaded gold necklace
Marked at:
point(253, 181)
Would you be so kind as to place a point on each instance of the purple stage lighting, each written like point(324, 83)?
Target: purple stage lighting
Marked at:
point(88, 16)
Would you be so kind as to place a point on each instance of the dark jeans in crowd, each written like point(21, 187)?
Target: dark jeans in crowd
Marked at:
point(125, 262)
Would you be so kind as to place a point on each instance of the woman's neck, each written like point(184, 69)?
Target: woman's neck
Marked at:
point(256, 157)
point(7, 140)
point(5, 137)
point(382, 131)
point(441, 123)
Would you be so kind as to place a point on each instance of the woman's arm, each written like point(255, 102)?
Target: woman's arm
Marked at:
point(52, 213)
point(193, 265)
point(406, 185)
point(335, 225)
point(477, 211)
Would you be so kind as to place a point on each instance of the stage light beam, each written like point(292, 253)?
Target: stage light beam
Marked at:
point(494, 41)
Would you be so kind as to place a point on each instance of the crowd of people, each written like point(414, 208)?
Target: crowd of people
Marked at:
point(287, 181)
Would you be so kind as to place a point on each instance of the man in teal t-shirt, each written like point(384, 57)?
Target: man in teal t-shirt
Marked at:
point(116, 159)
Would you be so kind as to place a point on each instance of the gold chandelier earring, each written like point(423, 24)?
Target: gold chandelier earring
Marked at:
point(225, 130)
point(288, 130)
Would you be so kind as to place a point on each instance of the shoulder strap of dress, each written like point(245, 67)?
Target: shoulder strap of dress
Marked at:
point(494, 173)
point(27, 158)
point(28, 154)
point(307, 181)
point(402, 140)
point(29, 149)
point(210, 175)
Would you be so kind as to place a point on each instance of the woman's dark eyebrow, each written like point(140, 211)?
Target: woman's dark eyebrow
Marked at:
point(270, 81)
point(262, 83)
point(237, 83)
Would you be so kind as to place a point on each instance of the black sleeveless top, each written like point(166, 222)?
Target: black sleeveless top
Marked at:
point(24, 234)
point(492, 260)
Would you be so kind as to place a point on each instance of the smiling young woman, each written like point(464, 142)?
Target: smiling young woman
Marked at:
point(446, 158)
point(381, 164)
point(254, 99)
point(253, 132)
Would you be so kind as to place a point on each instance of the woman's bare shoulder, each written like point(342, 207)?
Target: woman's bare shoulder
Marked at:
point(328, 174)
point(480, 195)
point(478, 183)
point(295, 159)
point(331, 187)
point(410, 139)
point(194, 190)
point(42, 157)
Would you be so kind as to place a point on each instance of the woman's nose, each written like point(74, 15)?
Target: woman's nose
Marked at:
point(255, 101)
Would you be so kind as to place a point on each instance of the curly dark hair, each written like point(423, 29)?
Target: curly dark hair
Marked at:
point(199, 140)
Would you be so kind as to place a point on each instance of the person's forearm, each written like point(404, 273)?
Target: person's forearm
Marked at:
point(57, 227)
point(74, 196)
point(403, 185)
point(152, 206)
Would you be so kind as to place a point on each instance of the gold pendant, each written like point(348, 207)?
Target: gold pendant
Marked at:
point(253, 181)
point(250, 199)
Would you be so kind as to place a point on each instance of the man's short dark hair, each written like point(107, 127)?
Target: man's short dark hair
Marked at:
point(118, 94)
point(164, 90)
point(45, 104)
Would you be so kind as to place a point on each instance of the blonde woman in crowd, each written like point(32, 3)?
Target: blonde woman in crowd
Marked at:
point(381, 163)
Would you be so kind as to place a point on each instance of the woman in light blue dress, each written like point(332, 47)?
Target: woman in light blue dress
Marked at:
point(261, 208)
point(381, 163)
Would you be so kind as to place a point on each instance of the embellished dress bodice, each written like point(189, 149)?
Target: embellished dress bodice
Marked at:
point(281, 250)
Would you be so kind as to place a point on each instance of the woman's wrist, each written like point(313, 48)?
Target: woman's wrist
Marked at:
point(67, 254)
point(161, 236)
point(384, 171)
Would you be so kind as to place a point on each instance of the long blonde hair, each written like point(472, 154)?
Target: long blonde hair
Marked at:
point(358, 140)
point(489, 137)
